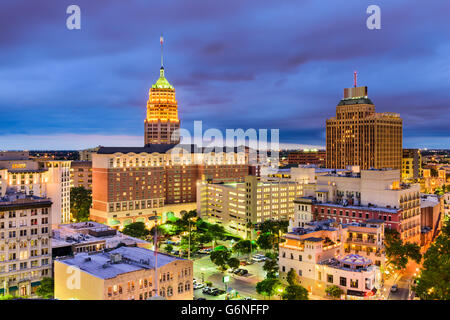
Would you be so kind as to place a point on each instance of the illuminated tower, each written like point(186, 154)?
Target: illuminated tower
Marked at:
point(360, 136)
point(162, 111)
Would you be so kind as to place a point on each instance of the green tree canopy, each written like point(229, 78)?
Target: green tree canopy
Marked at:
point(220, 258)
point(268, 287)
point(217, 232)
point(80, 203)
point(242, 247)
point(233, 263)
point(136, 229)
point(168, 248)
point(266, 241)
point(433, 282)
point(294, 292)
point(271, 268)
point(46, 289)
point(292, 277)
point(334, 291)
point(398, 252)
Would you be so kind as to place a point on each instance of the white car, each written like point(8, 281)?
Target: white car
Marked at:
point(198, 285)
point(259, 258)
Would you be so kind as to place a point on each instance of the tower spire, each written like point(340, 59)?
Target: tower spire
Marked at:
point(161, 40)
point(355, 73)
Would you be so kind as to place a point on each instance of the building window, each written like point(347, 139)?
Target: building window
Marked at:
point(354, 283)
point(343, 281)
point(330, 278)
point(299, 257)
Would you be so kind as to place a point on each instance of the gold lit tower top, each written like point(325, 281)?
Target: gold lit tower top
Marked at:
point(162, 111)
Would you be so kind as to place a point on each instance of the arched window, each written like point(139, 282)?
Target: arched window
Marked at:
point(180, 287)
point(187, 286)
point(169, 291)
point(162, 292)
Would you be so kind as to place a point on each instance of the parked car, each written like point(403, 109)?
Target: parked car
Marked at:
point(236, 271)
point(259, 258)
point(205, 251)
point(243, 272)
point(217, 292)
point(207, 290)
point(394, 288)
point(198, 286)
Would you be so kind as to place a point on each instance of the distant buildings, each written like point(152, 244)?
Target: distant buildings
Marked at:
point(125, 273)
point(39, 177)
point(86, 154)
point(25, 249)
point(306, 156)
point(235, 204)
point(81, 174)
point(359, 136)
point(324, 253)
point(430, 182)
point(411, 165)
point(432, 217)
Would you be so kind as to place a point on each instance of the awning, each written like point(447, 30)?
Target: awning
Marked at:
point(13, 288)
point(36, 284)
point(2, 291)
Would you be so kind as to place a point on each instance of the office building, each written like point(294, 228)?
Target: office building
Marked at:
point(359, 136)
point(235, 204)
point(307, 157)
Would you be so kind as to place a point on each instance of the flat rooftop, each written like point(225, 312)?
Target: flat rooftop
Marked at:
point(132, 259)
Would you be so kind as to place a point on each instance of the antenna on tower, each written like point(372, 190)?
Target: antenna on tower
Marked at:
point(355, 75)
point(161, 40)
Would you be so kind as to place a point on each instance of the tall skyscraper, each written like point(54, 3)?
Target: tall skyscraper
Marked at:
point(162, 111)
point(360, 136)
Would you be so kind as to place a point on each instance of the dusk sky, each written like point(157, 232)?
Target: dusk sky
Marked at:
point(234, 64)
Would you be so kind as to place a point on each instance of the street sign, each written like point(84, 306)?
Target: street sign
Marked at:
point(226, 279)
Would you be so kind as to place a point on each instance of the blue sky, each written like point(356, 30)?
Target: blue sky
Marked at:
point(235, 64)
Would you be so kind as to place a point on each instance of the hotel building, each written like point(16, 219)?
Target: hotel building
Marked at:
point(324, 253)
point(125, 273)
point(135, 184)
point(25, 251)
point(235, 204)
point(359, 136)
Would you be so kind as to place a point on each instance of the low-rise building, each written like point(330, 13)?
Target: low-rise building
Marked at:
point(324, 254)
point(25, 252)
point(74, 238)
point(125, 273)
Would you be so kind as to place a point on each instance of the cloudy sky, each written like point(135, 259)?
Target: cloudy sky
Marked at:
point(235, 64)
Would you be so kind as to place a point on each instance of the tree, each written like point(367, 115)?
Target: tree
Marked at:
point(271, 268)
point(46, 289)
point(80, 203)
point(398, 252)
point(294, 292)
point(268, 287)
point(292, 277)
point(265, 241)
point(242, 247)
point(220, 258)
point(334, 291)
point(216, 232)
point(433, 282)
point(233, 263)
point(136, 229)
point(168, 248)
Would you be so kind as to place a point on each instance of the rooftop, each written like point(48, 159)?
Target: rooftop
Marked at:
point(102, 265)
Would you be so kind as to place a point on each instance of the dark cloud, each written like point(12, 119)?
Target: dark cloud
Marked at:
point(234, 64)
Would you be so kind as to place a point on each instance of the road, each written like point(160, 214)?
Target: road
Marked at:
point(205, 270)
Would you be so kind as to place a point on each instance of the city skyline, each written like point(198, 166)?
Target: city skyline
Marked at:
point(73, 89)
